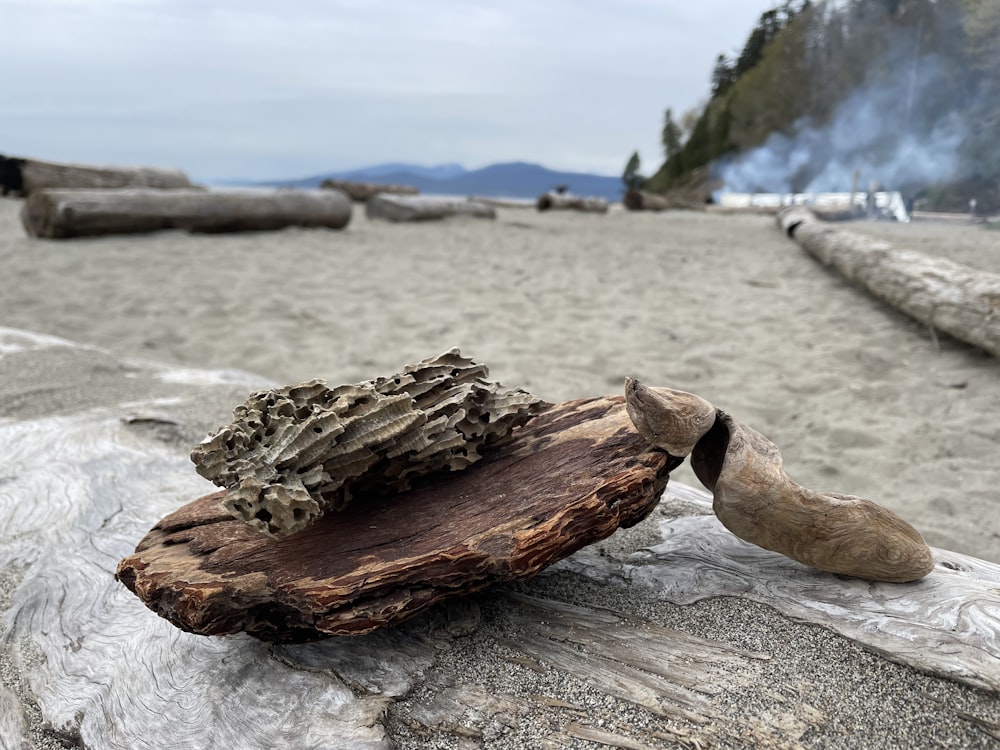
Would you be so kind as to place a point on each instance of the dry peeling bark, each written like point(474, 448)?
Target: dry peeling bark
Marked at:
point(571, 476)
point(961, 301)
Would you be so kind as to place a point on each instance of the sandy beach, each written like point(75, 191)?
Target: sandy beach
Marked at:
point(94, 443)
point(860, 398)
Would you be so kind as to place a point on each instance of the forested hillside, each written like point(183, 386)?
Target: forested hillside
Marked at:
point(905, 92)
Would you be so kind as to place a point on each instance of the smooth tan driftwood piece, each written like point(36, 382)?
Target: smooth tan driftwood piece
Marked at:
point(362, 191)
point(755, 499)
point(58, 214)
point(641, 200)
point(292, 454)
point(25, 176)
point(424, 208)
point(571, 476)
point(956, 299)
point(569, 202)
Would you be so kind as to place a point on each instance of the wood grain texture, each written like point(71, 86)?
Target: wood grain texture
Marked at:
point(24, 176)
point(61, 214)
point(946, 624)
point(571, 476)
point(961, 301)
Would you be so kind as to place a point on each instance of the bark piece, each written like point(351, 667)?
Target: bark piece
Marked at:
point(424, 208)
point(554, 201)
point(956, 299)
point(362, 191)
point(570, 477)
point(24, 176)
point(58, 214)
point(294, 453)
point(758, 502)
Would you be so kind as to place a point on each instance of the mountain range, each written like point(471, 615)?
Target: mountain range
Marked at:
point(508, 180)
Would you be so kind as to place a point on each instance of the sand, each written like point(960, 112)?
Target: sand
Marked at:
point(860, 398)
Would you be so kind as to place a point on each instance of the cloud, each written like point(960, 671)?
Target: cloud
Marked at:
point(254, 88)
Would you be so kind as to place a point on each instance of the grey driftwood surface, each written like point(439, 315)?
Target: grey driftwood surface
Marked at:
point(961, 301)
point(25, 176)
point(84, 663)
point(399, 208)
point(61, 214)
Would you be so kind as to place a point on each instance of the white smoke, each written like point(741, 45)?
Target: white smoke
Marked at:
point(870, 132)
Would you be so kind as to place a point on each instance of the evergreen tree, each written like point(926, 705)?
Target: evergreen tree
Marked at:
point(631, 177)
point(670, 136)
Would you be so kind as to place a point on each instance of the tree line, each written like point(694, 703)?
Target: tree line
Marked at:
point(934, 63)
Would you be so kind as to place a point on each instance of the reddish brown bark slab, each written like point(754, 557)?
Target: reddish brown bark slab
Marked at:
point(570, 477)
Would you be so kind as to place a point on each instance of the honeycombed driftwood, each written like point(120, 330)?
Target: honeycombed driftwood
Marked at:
point(382, 560)
point(25, 176)
point(362, 191)
point(81, 484)
point(424, 208)
point(60, 214)
point(961, 301)
point(641, 200)
point(553, 201)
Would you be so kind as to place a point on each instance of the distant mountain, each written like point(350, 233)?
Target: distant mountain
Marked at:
point(509, 180)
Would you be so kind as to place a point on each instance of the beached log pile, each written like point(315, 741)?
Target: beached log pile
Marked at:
point(557, 201)
point(360, 192)
point(60, 214)
point(950, 297)
point(403, 208)
point(26, 176)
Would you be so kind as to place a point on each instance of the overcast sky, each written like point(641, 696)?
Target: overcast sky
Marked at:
point(289, 88)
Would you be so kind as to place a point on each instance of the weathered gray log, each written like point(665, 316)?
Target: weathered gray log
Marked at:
point(362, 191)
point(58, 214)
point(25, 176)
point(641, 200)
point(424, 208)
point(950, 297)
point(487, 200)
point(567, 202)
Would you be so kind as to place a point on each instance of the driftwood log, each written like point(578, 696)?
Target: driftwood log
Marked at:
point(641, 200)
point(360, 192)
point(424, 208)
point(961, 301)
point(554, 201)
point(756, 500)
point(25, 176)
point(383, 560)
point(594, 649)
point(59, 214)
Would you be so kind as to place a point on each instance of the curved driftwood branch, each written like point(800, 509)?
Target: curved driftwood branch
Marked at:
point(362, 191)
point(568, 202)
point(424, 208)
point(756, 500)
point(25, 176)
point(58, 214)
point(294, 453)
point(956, 299)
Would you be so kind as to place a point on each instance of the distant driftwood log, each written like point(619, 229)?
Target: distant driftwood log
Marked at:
point(58, 214)
point(25, 176)
point(424, 208)
point(950, 297)
point(363, 191)
point(556, 201)
point(641, 200)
